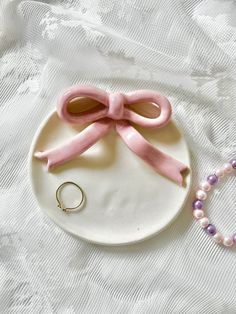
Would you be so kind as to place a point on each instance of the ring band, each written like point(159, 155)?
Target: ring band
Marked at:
point(67, 209)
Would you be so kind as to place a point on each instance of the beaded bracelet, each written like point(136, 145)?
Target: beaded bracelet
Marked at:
point(201, 196)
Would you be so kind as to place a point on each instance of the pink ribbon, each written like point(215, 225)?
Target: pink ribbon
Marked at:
point(114, 112)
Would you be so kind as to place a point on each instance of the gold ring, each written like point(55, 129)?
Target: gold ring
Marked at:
point(67, 209)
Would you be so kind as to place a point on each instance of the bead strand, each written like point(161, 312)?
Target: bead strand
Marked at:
point(201, 196)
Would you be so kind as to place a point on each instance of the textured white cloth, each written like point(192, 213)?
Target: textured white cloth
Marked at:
point(185, 49)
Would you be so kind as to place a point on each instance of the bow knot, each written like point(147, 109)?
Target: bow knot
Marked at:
point(114, 108)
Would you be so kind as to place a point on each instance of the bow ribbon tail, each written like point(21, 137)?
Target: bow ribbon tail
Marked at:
point(76, 146)
point(162, 163)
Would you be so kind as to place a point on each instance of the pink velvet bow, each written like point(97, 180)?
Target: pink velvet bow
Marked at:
point(114, 113)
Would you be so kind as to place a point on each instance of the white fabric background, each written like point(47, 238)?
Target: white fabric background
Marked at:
point(185, 49)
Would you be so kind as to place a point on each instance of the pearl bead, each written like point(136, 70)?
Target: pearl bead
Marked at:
point(205, 186)
point(204, 222)
point(233, 163)
point(227, 167)
point(228, 241)
point(211, 230)
point(212, 179)
point(201, 195)
point(234, 237)
point(217, 237)
point(220, 172)
point(198, 213)
point(197, 204)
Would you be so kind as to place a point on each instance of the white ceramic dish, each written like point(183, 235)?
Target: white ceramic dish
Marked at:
point(126, 200)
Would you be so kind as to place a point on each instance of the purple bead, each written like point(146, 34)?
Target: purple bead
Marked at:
point(212, 179)
point(234, 237)
point(233, 163)
point(197, 204)
point(211, 230)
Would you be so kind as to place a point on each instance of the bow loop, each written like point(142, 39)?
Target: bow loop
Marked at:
point(89, 116)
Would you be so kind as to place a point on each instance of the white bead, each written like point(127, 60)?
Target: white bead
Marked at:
point(205, 186)
point(227, 167)
point(228, 241)
point(201, 195)
point(198, 213)
point(220, 172)
point(204, 222)
point(217, 237)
